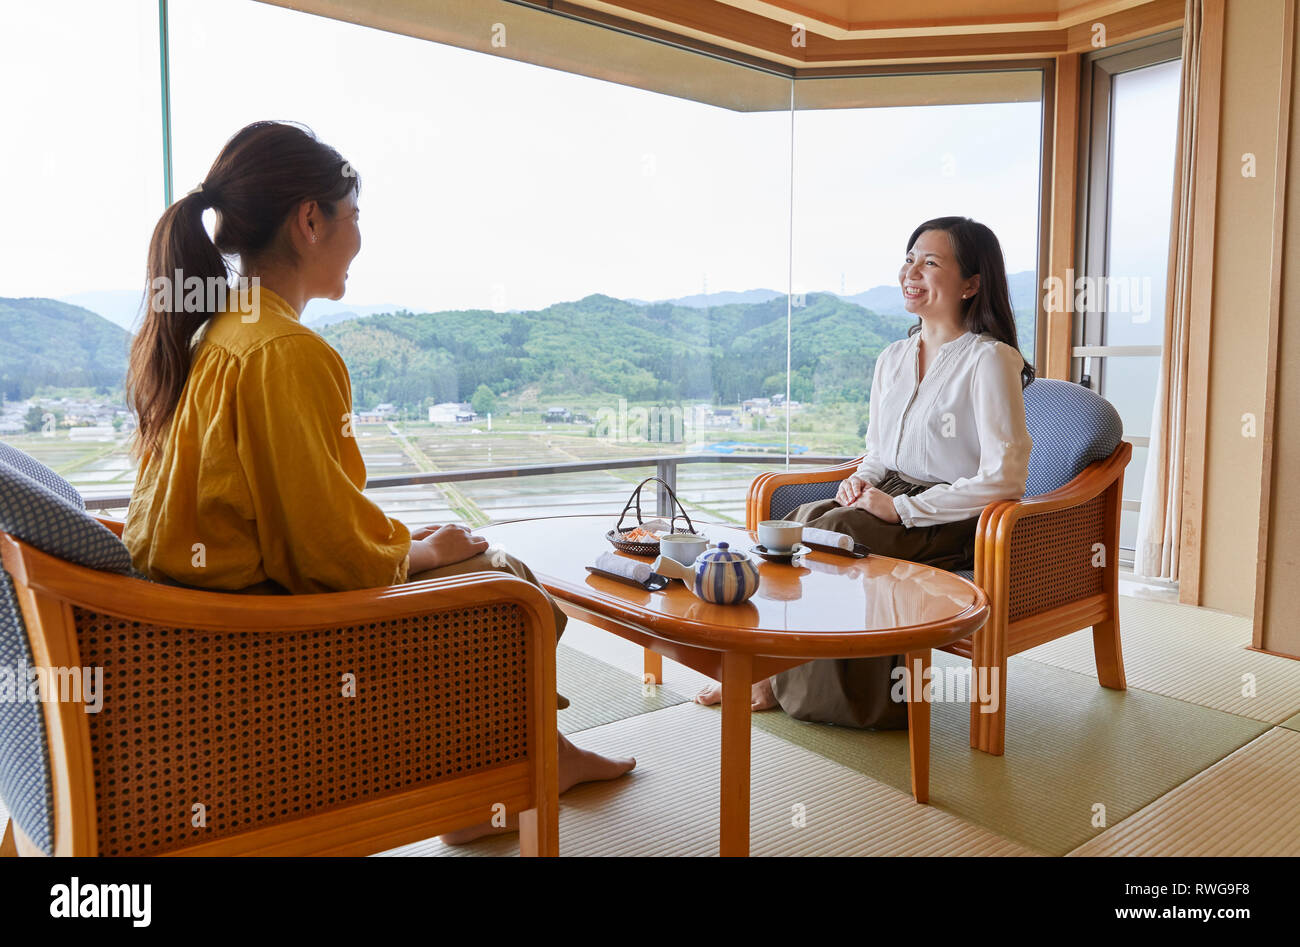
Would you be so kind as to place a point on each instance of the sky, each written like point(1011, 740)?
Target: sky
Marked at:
point(486, 183)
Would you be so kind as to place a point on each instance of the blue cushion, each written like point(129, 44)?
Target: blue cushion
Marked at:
point(24, 756)
point(40, 473)
point(792, 495)
point(39, 513)
point(1072, 427)
point(40, 517)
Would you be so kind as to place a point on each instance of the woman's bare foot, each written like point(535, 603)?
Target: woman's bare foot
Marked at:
point(761, 696)
point(585, 766)
point(576, 766)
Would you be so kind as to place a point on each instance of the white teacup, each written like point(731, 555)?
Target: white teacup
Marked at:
point(682, 547)
point(779, 535)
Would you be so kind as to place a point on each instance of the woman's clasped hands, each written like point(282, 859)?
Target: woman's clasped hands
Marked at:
point(858, 492)
point(443, 545)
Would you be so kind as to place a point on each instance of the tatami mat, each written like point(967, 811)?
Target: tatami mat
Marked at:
point(1292, 723)
point(1243, 805)
point(668, 805)
point(1192, 654)
point(600, 693)
point(1070, 746)
point(630, 657)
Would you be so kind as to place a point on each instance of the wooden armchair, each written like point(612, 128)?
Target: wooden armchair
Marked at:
point(1049, 562)
point(336, 724)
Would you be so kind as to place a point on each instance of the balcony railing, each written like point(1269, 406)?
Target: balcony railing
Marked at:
point(665, 466)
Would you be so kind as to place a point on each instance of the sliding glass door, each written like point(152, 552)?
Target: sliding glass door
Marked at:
point(1129, 143)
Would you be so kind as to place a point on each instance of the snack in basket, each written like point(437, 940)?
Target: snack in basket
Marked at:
point(641, 535)
point(648, 532)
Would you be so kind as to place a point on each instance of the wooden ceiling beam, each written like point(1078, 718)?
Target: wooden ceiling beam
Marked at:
point(869, 19)
point(726, 24)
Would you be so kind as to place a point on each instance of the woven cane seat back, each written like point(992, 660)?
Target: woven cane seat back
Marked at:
point(204, 735)
point(1064, 547)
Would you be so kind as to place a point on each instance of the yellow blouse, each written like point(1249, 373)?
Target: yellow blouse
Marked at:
point(259, 480)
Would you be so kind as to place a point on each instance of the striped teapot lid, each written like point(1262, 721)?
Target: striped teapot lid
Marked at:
point(722, 554)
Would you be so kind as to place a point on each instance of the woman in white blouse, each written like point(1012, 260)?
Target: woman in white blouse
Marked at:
point(946, 437)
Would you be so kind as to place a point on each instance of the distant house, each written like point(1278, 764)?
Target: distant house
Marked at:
point(724, 417)
point(757, 405)
point(376, 415)
point(451, 412)
point(558, 415)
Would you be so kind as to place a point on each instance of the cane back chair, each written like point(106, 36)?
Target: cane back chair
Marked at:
point(1048, 562)
point(336, 724)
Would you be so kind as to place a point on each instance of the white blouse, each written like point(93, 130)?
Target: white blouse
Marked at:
point(962, 427)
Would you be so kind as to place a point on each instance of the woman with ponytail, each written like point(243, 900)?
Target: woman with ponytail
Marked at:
point(250, 476)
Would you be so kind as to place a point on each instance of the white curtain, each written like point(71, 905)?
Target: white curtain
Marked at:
point(1158, 532)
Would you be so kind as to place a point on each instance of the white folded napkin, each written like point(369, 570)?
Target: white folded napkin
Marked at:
point(825, 537)
point(620, 565)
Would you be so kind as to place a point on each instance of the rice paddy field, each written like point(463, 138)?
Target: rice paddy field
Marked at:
point(710, 491)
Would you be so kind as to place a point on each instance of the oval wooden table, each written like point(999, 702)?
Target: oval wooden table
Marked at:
point(821, 606)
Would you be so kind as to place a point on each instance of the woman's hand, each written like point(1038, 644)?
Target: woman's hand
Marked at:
point(443, 546)
point(851, 489)
point(878, 503)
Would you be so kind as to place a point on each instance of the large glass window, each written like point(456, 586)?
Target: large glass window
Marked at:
point(81, 114)
point(545, 254)
point(556, 269)
point(864, 179)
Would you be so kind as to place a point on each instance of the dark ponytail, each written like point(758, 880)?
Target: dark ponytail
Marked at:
point(977, 250)
point(261, 177)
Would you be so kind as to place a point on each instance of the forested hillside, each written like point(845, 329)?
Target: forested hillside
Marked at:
point(46, 342)
point(600, 345)
point(596, 346)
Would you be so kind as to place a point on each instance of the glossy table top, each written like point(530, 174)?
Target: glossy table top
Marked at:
point(821, 605)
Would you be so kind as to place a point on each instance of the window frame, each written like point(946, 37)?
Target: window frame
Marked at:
point(1092, 215)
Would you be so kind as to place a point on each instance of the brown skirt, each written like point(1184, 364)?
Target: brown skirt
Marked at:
point(856, 692)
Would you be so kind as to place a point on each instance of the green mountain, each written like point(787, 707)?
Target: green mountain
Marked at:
point(604, 346)
point(597, 346)
point(46, 342)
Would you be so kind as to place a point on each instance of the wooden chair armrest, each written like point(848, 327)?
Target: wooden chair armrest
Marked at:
point(759, 498)
point(115, 525)
point(1041, 573)
point(154, 603)
point(1095, 478)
